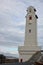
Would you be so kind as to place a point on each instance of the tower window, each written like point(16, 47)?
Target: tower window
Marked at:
point(29, 30)
point(30, 18)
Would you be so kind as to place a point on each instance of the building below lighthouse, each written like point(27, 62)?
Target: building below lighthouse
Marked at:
point(30, 43)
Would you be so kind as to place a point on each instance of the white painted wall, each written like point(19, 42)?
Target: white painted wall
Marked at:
point(30, 43)
point(31, 38)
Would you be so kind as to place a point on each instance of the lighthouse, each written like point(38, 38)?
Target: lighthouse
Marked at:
point(30, 43)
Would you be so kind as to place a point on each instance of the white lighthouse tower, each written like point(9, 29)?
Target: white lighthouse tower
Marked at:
point(30, 43)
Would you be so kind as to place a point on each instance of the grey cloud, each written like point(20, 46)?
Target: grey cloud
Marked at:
point(9, 39)
point(12, 21)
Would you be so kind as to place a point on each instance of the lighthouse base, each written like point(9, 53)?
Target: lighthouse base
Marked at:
point(26, 52)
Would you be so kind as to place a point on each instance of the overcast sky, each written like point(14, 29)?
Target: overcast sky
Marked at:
point(12, 23)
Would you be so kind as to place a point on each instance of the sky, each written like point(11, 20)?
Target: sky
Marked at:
point(12, 23)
